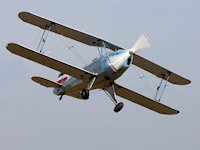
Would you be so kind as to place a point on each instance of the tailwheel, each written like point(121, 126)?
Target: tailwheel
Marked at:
point(61, 96)
point(85, 94)
point(118, 107)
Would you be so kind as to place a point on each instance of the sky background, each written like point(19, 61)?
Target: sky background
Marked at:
point(32, 118)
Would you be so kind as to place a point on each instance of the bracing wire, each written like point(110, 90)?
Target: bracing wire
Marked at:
point(70, 46)
point(145, 81)
point(74, 51)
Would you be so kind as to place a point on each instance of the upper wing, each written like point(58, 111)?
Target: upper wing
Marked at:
point(144, 101)
point(50, 62)
point(158, 70)
point(65, 31)
point(95, 41)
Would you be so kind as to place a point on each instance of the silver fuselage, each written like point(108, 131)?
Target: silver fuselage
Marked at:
point(109, 67)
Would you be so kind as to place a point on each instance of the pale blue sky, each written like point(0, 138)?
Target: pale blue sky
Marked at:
point(31, 117)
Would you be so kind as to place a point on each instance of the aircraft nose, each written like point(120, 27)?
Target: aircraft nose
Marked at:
point(116, 66)
point(120, 61)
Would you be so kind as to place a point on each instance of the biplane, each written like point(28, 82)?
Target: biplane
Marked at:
point(102, 72)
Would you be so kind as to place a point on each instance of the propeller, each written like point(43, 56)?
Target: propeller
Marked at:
point(141, 43)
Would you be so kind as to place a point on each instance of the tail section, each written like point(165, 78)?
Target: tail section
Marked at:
point(51, 84)
point(62, 78)
point(46, 82)
point(141, 43)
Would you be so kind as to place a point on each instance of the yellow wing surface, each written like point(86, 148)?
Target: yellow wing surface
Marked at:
point(95, 41)
point(144, 101)
point(45, 82)
point(64, 31)
point(159, 71)
point(50, 62)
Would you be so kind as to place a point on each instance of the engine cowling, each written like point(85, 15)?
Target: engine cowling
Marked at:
point(119, 61)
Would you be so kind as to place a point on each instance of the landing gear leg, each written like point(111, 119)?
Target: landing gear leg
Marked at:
point(86, 91)
point(111, 94)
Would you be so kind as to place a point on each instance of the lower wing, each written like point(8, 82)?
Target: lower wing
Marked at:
point(144, 101)
point(50, 62)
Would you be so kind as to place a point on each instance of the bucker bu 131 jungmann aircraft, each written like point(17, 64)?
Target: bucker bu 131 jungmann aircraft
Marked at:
point(102, 72)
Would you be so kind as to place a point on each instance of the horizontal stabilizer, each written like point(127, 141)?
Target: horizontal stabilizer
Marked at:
point(144, 101)
point(46, 82)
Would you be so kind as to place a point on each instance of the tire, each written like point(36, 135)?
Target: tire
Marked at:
point(85, 94)
point(118, 107)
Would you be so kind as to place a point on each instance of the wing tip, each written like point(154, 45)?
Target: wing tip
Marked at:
point(22, 13)
point(12, 47)
point(34, 78)
point(184, 82)
point(189, 81)
point(170, 112)
point(174, 112)
point(9, 46)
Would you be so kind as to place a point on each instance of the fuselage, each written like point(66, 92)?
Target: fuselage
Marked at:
point(112, 65)
point(109, 67)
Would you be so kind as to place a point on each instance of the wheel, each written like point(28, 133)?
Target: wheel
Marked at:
point(60, 97)
point(118, 107)
point(85, 94)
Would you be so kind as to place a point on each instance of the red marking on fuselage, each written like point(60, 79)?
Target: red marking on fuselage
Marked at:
point(62, 80)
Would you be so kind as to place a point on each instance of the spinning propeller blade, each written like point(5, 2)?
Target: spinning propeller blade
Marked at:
point(142, 42)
